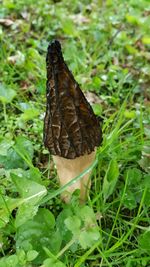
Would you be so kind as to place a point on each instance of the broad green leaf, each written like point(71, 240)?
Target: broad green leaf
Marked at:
point(18, 156)
point(25, 212)
point(146, 40)
point(46, 218)
point(130, 200)
point(29, 114)
point(53, 263)
point(144, 241)
point(146, 181)
point(89, 237)
point(31, 255)
point(110, 179)
point(11, 261)
point(130, 114)
point(21, 255)
point(131, 49)
point(87, 215)
point(146, 184)
point(73, 223)
point(64, 232)
point(31, 193)
point(83, 227)
point(97, 108)
point(7, 204)
point(29, 190)
point(5, 144)
point(34, 174)
point(40, 233)
point(89, 233)
point(24, 147)
point(12, 160)
point(96, 82)
point(132, 19)
point(134, 176)
point(6, 94)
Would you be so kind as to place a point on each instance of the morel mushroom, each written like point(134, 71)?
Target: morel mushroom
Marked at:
point(71, 130)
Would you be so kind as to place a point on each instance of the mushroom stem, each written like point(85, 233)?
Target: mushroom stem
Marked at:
point(67, 169)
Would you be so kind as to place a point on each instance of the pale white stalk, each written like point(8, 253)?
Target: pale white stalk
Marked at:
point(67, 169)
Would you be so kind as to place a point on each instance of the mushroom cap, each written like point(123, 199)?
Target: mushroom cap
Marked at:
point(71, 128)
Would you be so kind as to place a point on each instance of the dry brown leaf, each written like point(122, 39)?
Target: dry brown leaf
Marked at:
point(6, 22)
point(79, 19)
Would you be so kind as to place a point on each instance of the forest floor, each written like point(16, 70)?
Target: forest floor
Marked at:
point(106, 45)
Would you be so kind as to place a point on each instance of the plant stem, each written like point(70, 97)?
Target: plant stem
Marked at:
point(69, 244)
point(4, 110)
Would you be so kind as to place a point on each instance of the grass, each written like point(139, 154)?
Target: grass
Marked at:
point(107, 46)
